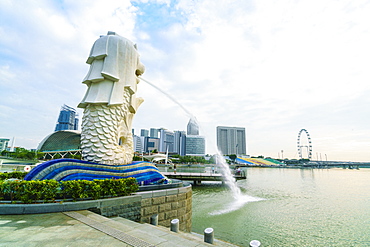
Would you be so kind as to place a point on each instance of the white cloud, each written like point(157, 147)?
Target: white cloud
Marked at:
point(265, 66)
point(273, 67)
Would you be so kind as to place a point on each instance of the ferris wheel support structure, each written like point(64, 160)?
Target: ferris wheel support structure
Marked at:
point(308, 146)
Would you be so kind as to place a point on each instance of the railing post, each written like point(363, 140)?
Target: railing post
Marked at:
point(255, 243)
point(175, 225)
point(154, 219)
point(208, 235)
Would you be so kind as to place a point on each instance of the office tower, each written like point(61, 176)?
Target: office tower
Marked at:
point(68, 119)
point(195, 145)
point(180, 143)
point(144, 132)
point(192, 128)
point(151, 144)
point(4, 142)
point(154, 133)
point(138, 144)
point(166, 141)
point(231, 140)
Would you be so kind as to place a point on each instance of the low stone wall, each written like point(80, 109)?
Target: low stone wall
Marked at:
point(168, 204)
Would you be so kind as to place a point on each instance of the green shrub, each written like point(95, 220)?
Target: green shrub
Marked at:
point(117, 187)
point(7, 175)
point(79, 189)
point(49, 190)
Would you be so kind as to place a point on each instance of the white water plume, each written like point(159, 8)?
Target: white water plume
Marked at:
point(170, 97)
point(239, 198)
point(229, 178)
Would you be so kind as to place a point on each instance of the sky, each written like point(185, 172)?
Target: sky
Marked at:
point(272, 67)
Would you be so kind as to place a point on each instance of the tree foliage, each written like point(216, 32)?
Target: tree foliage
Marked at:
point(190, 159)
point(22, 153)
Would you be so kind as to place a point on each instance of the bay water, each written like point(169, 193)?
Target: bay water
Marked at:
point(288, 207)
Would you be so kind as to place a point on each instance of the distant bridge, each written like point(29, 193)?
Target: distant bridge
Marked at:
point(344, 164)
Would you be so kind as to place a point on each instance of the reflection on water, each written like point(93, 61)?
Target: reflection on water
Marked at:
point(301, 207)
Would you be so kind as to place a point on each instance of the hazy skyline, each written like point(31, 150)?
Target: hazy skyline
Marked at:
point(272, 67)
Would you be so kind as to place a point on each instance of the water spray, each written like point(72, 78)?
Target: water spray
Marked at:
point(170, 97)
point(240, 199)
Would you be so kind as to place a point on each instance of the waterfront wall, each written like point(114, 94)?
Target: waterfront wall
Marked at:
point(169, 204)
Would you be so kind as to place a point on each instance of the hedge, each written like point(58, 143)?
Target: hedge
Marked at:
point(7, 175)
point(37, 191)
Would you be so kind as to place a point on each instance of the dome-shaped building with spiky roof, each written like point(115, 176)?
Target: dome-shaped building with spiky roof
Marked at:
point(61, 144)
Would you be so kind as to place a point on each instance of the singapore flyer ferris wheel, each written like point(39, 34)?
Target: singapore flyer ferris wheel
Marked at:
point(308, 145)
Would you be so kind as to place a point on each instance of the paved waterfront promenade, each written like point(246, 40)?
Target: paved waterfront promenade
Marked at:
point(84, 228)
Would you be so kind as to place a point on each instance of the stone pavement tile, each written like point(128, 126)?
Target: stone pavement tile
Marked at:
point(172, 239)
point(15, 236)
point(93, 216)
point(127, 222)
point(145, 236)
point(153, 230)
point(179, 240)
point(118, 225)
point(58, 229)
point(55, 230)
point(97, 241)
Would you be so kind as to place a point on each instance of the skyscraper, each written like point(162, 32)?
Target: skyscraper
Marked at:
point(4, 143)
point(138, 144)
point(68, 119)
point(180, 143)
point(154, 132)
point(166, 141)
point(195, 145)
point(231, 140)
point(192, 128)
point(144, 132)
point(151, 144)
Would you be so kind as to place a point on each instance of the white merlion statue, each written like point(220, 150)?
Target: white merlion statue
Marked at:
point(110, 101)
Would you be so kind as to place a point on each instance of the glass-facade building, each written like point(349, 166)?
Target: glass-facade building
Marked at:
point(68, 119)
point(173, 142)
point(192, 128)
point(180, 143)
point(195, 145)
point(154, 133)
point(151, 144)
point(4, 142)
point(138, 144)
point(144, 132)
point(166, 141)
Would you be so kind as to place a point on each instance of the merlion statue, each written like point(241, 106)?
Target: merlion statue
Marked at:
point(110, 101)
